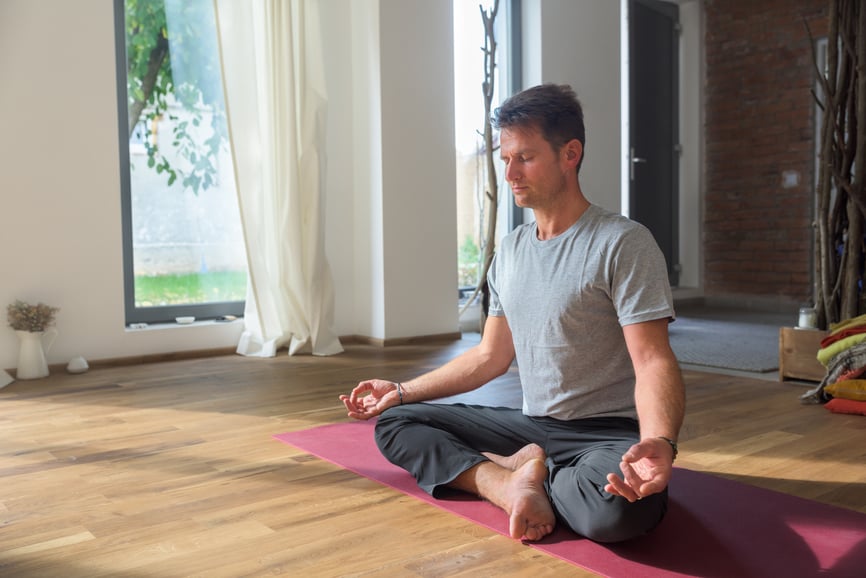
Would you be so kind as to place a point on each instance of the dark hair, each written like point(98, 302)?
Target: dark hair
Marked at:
point(551, 108)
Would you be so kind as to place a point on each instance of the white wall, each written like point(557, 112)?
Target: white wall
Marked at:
point(341, 161)
point(576, 42)
point(366, 161)
point(418, 167)
point(60, 232)
point(405, 230)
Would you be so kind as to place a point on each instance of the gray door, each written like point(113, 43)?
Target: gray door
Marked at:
point(653, 87)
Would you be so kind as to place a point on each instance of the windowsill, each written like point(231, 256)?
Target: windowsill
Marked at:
point(136, 327)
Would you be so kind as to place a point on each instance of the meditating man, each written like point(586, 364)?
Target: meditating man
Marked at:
point(581, 299)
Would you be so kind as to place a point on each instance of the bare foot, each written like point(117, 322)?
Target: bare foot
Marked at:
point(515, 484)
point(518, 458)
point(530, 516)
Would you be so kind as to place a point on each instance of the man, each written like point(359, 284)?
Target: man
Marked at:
point(581, 299)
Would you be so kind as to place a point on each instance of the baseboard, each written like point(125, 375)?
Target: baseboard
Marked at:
point(416, 340)
point(221, 351)
point(150, 358)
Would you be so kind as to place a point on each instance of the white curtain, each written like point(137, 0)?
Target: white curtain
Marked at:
point(275, 102)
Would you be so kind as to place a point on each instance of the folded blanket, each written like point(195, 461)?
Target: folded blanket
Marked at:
point(849, 360)
point(852, 374)
point(842, 334)
point(825, 354)
point(852, 322)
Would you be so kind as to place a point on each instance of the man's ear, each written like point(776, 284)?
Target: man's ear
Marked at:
point(573, 151)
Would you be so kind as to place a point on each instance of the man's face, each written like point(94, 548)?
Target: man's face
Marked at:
point(536, 173)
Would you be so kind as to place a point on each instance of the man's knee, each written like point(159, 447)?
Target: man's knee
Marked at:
point(389, 423)
point(581, 502)
point(622, 520)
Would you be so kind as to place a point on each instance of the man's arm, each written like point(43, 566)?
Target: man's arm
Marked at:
point(660, 402)
point(470, 370)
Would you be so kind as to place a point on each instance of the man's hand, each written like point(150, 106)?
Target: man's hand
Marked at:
point(370, 398)
point(646, 469)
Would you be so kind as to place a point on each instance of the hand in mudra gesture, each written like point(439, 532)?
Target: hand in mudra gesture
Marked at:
point(372, 397)
point(646, 469)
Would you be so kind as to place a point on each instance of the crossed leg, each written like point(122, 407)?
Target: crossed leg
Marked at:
point(515, 484)
point(439, 445)
point(518, 458)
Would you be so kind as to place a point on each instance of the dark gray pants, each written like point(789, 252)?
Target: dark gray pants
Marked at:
point(436, 443)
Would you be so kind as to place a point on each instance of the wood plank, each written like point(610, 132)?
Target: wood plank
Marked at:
point(169, 469)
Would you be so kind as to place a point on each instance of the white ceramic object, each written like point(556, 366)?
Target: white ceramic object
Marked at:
point(31, 356)
point(185, 320)
point(77, 365)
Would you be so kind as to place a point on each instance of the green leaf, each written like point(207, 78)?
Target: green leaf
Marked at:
point(192, 48)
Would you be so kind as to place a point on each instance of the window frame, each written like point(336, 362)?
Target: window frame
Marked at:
point(132, 313)
point(514, 28)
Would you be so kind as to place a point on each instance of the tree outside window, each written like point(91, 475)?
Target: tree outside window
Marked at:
point(183, 243)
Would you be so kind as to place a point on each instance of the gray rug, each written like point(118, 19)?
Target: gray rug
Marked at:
point(728, 340)
point(705, 336)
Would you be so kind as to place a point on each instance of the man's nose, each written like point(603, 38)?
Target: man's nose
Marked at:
point(511, 173)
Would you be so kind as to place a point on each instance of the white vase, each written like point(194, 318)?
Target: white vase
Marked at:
point(31, 355)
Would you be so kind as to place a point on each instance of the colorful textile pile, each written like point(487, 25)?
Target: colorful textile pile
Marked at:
point(843, 353)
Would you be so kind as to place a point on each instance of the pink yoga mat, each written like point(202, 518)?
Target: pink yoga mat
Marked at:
point(715, 528)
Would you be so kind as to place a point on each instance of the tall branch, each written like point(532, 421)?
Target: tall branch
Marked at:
point(824, 293)
point(148, 82)
point(841, 186)
point(488, 18)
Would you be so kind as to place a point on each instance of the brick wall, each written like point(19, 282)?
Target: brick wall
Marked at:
point(760, 132)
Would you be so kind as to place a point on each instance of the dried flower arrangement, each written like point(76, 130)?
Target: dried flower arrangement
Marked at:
point(25, 317)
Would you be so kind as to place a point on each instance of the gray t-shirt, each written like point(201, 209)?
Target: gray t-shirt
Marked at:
point(566, 300)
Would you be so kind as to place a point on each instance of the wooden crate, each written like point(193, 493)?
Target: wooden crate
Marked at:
point(798, 349)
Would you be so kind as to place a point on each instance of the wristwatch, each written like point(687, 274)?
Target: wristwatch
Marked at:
point(673, 445)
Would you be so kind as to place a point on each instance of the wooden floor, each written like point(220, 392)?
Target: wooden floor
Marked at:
point(169, 469)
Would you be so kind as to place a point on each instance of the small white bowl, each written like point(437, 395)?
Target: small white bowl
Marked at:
point(185, 320)
point(77, 365)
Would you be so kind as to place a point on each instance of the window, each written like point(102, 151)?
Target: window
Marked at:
point(472, 208)
point(183, 244)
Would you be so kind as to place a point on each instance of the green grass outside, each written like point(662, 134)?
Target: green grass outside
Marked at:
point(189, 288)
